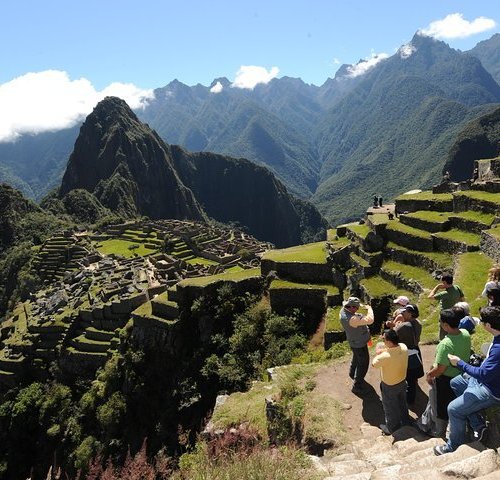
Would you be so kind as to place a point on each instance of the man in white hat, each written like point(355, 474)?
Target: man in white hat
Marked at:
point(358, 336)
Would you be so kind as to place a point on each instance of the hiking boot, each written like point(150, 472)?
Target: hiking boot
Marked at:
point(441, 450)
point(480, 434)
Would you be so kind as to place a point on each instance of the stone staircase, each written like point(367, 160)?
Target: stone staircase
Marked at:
point(406, 455)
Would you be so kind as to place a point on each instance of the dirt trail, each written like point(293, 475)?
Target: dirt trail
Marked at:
point(334, 380)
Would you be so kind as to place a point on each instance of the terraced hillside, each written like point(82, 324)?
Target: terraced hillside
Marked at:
point(97, 282)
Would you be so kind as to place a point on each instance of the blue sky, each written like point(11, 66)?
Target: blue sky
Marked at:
point(136, 46)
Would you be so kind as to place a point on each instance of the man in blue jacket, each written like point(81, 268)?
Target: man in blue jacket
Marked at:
point(477, 390)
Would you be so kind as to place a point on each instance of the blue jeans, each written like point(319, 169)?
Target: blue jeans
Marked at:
point(472, 397)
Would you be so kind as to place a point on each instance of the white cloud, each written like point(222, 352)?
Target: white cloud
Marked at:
point(217, 88)
point(336, 61)
point(248, 76)
point(50, 100)
point(454, 25)
point(366, 64)
point(407, 50)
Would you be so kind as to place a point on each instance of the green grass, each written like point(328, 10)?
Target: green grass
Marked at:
point(420, 275)
point(445, 260)
point(309, 253)
point(257, 463)
point(480, 217)
point(332, 321)
point(121, 247)
point(480, 195)
point(227, 276)
point(429, 216)
point(201, 261)
point(359, 260)
point(331, 289)
point(471, 275)
point(247, 407)
point(378, 287)
point(414, 232)
point(469, 238)
point(339, 243)
point(379, 218)
point(495, 231)
point(360, 230)
point(427, 195)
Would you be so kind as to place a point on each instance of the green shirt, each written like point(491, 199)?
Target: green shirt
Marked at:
point(447, 298)
point(458, 345)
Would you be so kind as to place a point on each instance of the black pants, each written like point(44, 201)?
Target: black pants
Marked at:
point(444, 395)
point(359, 364)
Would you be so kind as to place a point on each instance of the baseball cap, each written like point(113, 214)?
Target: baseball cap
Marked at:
point(402, 300)
point(352, 302)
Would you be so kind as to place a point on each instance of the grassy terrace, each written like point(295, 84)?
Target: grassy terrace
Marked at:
point(410, 272)
point(480, 217)
point(331, 289)
point(360, 230)
point(479, 195)
point(332, 320)
point(377, 287)
point(378, 218)
point(201, 261)
point(427, 195)
point(445, 260)
point(234, 276)
point(429, 216)
point(495, 231)
point(309, 253)
point(122, 247)
point(414, 232)
point(470, 274)
point(339, 243)
point(468, 238)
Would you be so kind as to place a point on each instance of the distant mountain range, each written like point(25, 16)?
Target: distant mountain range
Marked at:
point(385, 132)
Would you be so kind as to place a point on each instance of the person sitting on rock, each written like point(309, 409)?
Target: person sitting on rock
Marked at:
point(493, 294)
point(456, 342)
point(357, 332)
point(476, 391)
point(448, 296)
point(392, 359)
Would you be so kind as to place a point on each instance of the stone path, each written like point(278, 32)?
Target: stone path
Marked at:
point(407, 455)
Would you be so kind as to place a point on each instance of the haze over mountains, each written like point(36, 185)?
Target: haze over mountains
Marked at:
point(385, 131)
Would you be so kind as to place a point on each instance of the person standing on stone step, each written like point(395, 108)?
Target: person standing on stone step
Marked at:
point(447, 294)
point(409, 331)
point(358, 335)
point(477, 389)
point(392, 360)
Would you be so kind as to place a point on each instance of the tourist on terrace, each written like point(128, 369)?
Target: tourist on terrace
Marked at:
point(357, 332)
point(493, 294)
point(409, 331)
point(493, 280)
point(397, 316)
point(462, 310)
point(477, 389)
point(392, 359)
point(448, 295)
point(456, 342)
